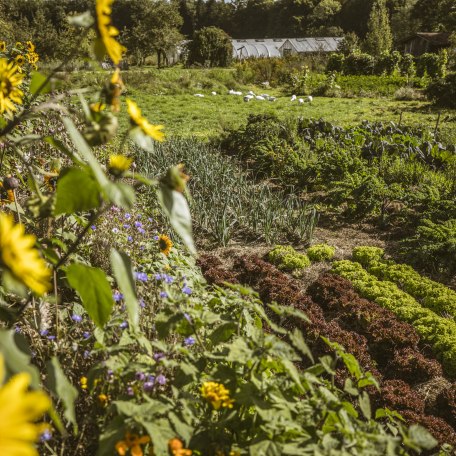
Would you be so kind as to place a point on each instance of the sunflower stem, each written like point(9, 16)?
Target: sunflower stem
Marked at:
point(17, 207)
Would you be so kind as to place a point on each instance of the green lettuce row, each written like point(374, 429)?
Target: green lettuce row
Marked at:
point(438, 332)
point(432, 295)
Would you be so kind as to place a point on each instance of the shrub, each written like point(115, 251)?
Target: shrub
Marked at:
point(210, 46)
point(443, 91)
point(366, 255)
point(321, 252)
point(359, 64)
point(388, 63)
point(407, 65)
point(407, 94)
point(335, 63)
point(287, 258)
point(432, 65)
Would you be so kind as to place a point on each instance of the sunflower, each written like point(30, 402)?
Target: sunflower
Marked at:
point(133, 443)
point(165, 244)
point(10, 79)
point(32, 57)
point(97, 107)
point(137, 120)
point(18, 255)
point(30, 46)
point(2, 46)
point(19, 60)
point(118, 164)
point(113, 90)
point(19, 408)
point(106, 32)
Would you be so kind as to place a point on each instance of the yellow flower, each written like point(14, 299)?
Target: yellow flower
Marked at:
point(137, 120)
point(133, 443)
point(106, 32)
point(118, 164)
point(10, 79)
point(83, 382)
point(176, 448)
point(97, 107)
point(113, 90)
point(2, 46)
point(32, 57)
point(217, 395)
point(165, 244)
point(30, 46)
point(19, 59)
point(21, 258)
point(19, 409)
point(103, 399)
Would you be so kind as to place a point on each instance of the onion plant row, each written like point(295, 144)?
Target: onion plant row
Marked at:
point(226, 202)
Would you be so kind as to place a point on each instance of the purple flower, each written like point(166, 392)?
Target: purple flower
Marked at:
point(141, 276)
point(130, 239)
point(188, 317)
point(51, 337)
point(46, 436)
point(168, 278)
point(110, 373)
point(188, 341)
point(130, 391)
point(17, 329)
point(123, 325)
point(150, 219)
point(148, 386)
point(141, 230)
point(86, 335)
point(161, 379)
point(158, 356)
point(127, 216)
point(140, 376)
point(151, 378)
point(142, 304)
point(94, 227)
point(157, 276)
point(139, 216)
point(138, 224)
point(187, 290)
point(44, 332)
point(126, 226)
point(115, 209)
point(76, 318)
point(117, 296)
point(156, 238)
point(163, 294)
point(86, 354)
point(115, 230)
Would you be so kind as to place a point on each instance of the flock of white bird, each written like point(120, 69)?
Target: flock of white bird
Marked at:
point(263, 97)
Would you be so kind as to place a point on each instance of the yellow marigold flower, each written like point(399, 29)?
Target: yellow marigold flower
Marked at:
point(10, 79)
point(176, 448)
point(83, 382)
point(137, 120)
point(2, 46)
point(165, 244)
point(30, 46)
point(118, 164)
point(19, 408)
point(103, 399)
point(106, 32)
point(217, 395)
point(97, 107)
point(133, 443)
point(21, 258)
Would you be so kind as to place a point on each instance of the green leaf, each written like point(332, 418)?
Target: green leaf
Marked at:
point(113, 432)
point(123, 272)
point(84, 20)
point(94, 290)
point(239, 351)
point(223, 332)
point(38, 83)
point(298, 341)
point(160, 432)
point(364, 405)
point(176, 208)
point(142, 140)
point(85, 151)
point(265, 448)
point(61, 387)
point(421, 437)
point(120, 194)
point(76, 191)
point(16, 353)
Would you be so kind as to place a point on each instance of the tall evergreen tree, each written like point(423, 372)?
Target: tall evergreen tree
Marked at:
point(379, 38)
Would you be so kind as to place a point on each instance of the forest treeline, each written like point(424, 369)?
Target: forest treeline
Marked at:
point(152, 26)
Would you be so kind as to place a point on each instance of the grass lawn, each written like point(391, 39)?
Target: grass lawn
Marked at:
point(186, 115)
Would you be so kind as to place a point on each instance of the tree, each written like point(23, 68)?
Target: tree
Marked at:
point(379, 38)
point(210, 46)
